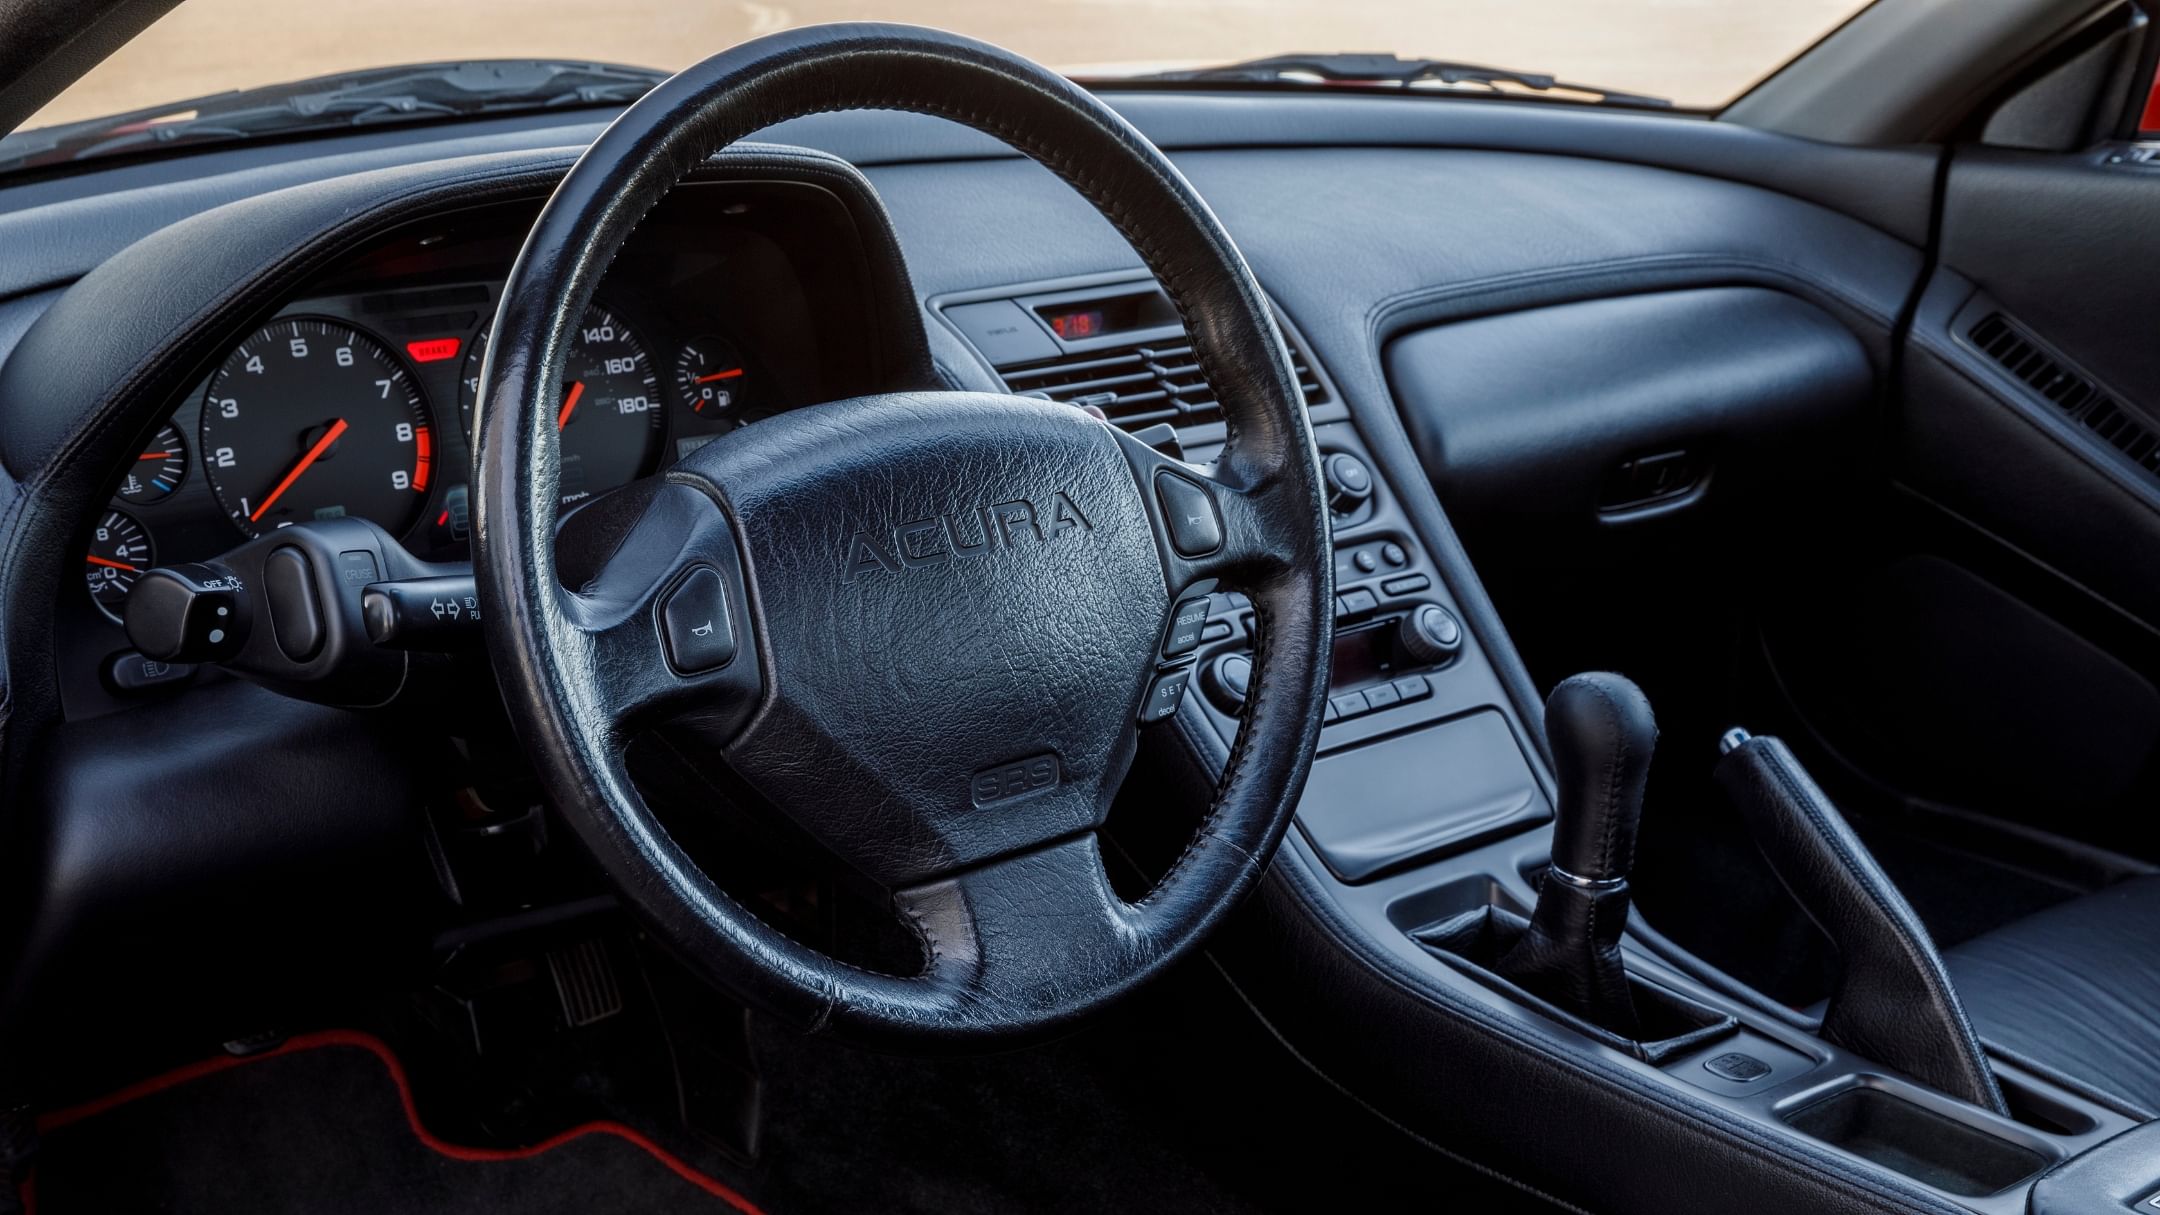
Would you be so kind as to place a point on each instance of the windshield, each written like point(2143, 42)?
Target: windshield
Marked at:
point(1696, 53)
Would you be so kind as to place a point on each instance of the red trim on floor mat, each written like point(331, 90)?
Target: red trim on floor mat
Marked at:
point(381, 1050)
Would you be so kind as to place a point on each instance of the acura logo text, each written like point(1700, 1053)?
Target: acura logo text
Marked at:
point(964, 535)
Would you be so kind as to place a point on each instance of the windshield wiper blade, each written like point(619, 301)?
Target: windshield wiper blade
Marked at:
point(412, 92)
point(1388, 69)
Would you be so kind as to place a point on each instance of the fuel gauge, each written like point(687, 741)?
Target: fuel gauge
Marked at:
point(710, 373)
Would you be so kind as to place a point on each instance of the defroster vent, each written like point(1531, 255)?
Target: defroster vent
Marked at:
point(2067, 388)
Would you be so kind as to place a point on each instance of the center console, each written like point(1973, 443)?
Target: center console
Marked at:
point(1400, 944)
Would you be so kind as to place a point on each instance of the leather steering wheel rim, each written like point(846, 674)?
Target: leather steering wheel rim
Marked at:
point(1021, 930)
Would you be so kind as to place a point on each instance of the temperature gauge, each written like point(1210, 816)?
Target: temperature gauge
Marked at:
point(158, 469)
point(119, 553)
point(709, 371)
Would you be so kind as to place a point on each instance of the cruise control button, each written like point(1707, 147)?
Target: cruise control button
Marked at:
point(1187, 622)
point(1189, 513)
point(694, 618)
point(1164, 694)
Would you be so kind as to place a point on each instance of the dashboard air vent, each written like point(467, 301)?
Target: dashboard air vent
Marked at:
point(2068, 389)
point(1140, 385)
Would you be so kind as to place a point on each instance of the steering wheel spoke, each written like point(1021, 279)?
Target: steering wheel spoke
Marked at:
point(1034, 930)
point(660, 605)
point(1217, 525)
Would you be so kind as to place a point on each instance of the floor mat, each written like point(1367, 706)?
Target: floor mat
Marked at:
point(326, 1125)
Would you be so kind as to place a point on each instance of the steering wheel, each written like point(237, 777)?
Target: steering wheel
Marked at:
point(925, 626)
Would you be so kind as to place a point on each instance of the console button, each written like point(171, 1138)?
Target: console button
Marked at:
point(1358, 602)
point(1408, 584)
point(1003, 331)
point(1394, 555)
point(1349, 482)
point(694, 619)
point(1738, 1067)
point(1413, 687)
point(1189, 513)
point(1228, 678)
point(296, 616)
point(1163, 696)
point(1349, 704)
point(1188, 620)
point(1430, 635)
point(1364, 560)
point(1382, 697)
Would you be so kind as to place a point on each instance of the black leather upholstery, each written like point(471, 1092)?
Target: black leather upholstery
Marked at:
point(2075, 988)
point(1892, 1000)
point(1024, 940)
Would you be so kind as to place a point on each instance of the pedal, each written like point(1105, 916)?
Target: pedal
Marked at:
point(585, 983)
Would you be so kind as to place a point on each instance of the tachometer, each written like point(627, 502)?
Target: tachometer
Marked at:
point(312, 419)
point(158, 470)
point(119, 553)
point(611, 417)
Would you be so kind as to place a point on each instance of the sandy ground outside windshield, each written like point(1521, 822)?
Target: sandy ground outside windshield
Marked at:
point(1698, 52)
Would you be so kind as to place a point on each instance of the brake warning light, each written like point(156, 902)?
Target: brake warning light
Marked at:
point(432, 350)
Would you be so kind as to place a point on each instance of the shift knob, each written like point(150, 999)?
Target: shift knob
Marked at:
point(1603, 735)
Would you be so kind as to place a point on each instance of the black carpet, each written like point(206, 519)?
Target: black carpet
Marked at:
point(1178, 1101)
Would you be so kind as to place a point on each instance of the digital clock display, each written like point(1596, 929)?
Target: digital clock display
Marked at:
point(1078, 323)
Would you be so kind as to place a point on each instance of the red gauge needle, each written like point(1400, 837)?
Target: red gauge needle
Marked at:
point(118, 565)
point(306, 462)
point(154, 455)
point(729, 374)
point(577, 389)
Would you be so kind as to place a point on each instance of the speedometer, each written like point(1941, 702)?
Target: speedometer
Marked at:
point(312, 419)
point(610, 415)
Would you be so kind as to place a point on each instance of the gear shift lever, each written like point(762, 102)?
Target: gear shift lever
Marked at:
point(1602, 734)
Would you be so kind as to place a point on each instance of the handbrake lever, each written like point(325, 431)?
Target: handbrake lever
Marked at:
point(1892, 1000)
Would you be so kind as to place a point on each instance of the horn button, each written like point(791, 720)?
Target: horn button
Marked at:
point(959, 599)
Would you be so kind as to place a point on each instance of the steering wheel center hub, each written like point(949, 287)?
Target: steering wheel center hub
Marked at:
point(959, 599)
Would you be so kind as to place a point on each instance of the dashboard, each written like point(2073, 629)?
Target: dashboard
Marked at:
point(357, 396)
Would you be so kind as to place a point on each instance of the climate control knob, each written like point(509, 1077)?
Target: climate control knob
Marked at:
point(1349, 483)
point(1431, 635)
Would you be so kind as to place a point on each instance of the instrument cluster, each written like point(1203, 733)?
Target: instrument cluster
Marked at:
point(358, 398)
